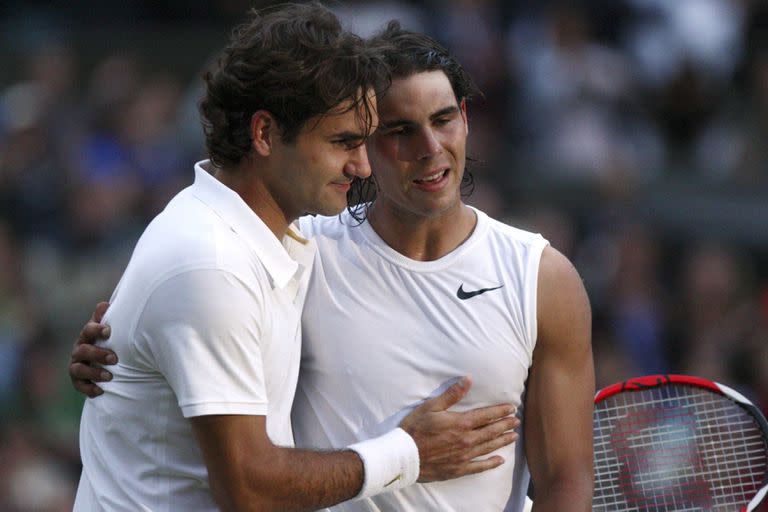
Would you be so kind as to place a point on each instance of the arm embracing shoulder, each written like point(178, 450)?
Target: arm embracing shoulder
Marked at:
point(558, 408)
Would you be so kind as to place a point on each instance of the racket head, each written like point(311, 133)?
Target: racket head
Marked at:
point(676, 442)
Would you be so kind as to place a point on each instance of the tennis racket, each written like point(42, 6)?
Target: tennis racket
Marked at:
point(678, 443)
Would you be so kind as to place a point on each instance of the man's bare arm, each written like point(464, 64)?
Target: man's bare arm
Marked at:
point(247, 472)
point(450, 444)
point(560, 390)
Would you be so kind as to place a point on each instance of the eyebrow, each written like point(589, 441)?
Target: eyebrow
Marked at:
point(405, 122)
point(347, 136)
point(352, 139)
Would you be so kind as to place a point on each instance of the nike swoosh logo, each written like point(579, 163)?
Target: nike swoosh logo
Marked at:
point(464, 295)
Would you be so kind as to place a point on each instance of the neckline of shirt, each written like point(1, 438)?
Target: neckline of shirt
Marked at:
point(231, 208)
point(385, 250)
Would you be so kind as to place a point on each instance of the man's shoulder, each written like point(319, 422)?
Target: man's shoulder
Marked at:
point(561, 289)
point(186, 237)
point(313, 226)
point(505, 230)
point(182, 236)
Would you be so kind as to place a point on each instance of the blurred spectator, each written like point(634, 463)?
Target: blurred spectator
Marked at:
point(747, 132)
point(668, 36)
point(106, 200)
point(32, 480)
point(13, 320)
point(638, 305)
point(718, 314)
point(32, 181)
point(576, 101)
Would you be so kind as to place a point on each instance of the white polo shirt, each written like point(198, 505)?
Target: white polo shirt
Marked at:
point(205, 320)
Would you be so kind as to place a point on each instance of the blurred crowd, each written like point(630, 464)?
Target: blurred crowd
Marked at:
point(630, 133)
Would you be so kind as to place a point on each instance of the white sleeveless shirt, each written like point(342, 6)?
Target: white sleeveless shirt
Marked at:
point(382, 332)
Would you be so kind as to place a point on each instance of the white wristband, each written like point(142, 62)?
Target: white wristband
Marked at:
point(390, 462)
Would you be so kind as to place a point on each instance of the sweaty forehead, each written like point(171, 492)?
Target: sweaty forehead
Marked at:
point(417, 95)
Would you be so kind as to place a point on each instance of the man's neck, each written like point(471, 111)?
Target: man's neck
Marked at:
point(422, 238)
point(256, 195)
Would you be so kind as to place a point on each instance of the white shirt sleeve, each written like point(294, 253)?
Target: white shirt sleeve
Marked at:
point(203, 330)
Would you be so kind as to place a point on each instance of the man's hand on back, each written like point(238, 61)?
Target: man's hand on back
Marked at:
point(86, 358)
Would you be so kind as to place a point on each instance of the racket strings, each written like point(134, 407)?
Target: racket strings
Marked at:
point(675, 448)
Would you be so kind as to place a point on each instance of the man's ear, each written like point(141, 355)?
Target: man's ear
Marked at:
point(264, 131)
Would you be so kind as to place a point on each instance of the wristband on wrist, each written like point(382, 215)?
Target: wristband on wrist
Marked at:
point(390, 462)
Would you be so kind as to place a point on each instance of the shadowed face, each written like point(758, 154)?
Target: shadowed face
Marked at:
point(418, 152)
point(316, 170)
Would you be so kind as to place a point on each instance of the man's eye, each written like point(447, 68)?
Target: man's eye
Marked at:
point(398, 131)
point(348, 143)
point(442, 121)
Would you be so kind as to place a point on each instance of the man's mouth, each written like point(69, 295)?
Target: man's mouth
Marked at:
point(342, 185)
point(433, 178)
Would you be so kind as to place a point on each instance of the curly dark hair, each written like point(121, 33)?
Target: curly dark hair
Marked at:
point(296, 62)
point(407, 53)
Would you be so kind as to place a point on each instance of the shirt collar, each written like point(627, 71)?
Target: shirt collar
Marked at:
point(231, 208)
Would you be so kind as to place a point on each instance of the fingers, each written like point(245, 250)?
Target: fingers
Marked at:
point(497, 427)
point(83, 372)
point(84, 369)
point(477, 418)
point(91, 354)
point(478, 466)
point(98, 313)
point(490, 446)
point(457, 470)
point(89, 389)
point(449, 397)
point(93, 332)
point(450, 442)
point(83, 378)
point(481, 441)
